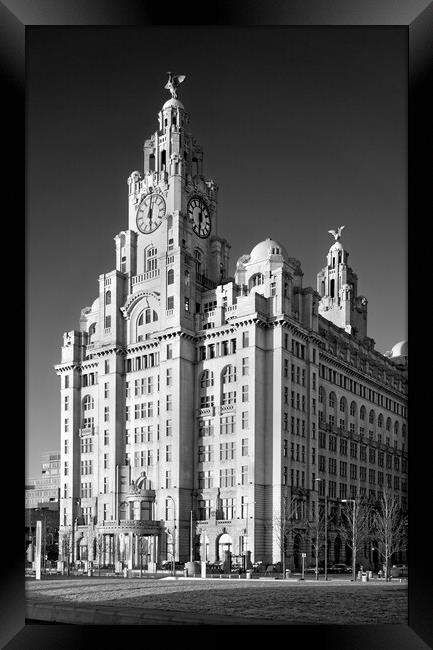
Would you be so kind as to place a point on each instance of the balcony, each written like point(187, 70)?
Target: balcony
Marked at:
point(88, 431)
point(227, 408)
point(206, 282)
point(137, 526)
point(144, 277)
point(207, 411)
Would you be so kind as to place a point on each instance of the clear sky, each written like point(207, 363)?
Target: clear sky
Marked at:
point(303, 129)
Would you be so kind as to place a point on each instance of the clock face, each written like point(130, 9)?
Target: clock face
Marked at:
point(150, 213)
point(198, 212)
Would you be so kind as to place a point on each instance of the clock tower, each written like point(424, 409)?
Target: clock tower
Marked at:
point(172, 230)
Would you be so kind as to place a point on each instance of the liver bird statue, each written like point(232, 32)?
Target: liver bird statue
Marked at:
point(173, 81)
point(336, 233)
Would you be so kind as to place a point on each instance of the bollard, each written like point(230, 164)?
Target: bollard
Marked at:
point(248, 575)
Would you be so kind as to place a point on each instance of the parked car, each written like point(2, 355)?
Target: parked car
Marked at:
point(168, 564)
point(340, 568)
point(312, 569)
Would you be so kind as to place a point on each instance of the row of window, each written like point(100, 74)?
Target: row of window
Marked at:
point(332, 403)
point(357, 388)
point(227, 477)
point(227, 451)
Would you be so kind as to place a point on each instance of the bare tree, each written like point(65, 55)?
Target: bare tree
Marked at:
point(355, 526)
point(316, 529)
point(389, 528)
point(283, 524)
point(99, 550)
point(65, 550)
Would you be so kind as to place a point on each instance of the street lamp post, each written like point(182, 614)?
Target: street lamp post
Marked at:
point(190, 538)
point(317, 531)
point(247, 503)
point(174, 533)
point(353, 501)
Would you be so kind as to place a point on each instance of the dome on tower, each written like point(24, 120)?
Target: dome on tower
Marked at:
point(399, 349)
point(266, 248)
point(173, 103)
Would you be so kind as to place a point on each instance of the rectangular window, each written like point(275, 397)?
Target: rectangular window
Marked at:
point(107, 366)
point(66, 403)
point(106, 390)
point(205, 428)
point(244, 475)
point(245, 339)
point(169, 377)
point(245, 420)
point(106, 413)
point(168, 478)
point(169, 351)
point(168, 428)
point(245, 393)
point(227, 477)
point(170, 302)
point(227, 425)
point(168, 455)
point(169, 403)
point(245, 361)
point(205, 479)
point(66, 425)
point(86, 445)
point(106, 484)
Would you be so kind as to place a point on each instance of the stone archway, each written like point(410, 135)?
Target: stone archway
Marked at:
point(224, 543)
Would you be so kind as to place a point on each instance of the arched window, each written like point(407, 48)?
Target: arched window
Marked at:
point(150, 259)
point(332, 287)
point(362, 413)
point(92, 329)
point(380, 421)
point(343, 405)
point(396, 427)
point(321, 395)
point(147, 316)
point(353, 409)
point(88, 403)
point(403, 430)
point(170, 277)
point(228, 374)
point(388, 424)
point(206, 379)
point(108, 298)
point(332, 400)
point(371, 417)
point(256, 280)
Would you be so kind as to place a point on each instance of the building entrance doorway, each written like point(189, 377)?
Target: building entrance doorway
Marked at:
point(224, 544)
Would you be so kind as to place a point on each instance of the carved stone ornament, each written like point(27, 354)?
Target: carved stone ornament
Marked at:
point(67, 340)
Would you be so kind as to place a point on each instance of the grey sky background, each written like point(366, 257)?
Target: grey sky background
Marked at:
point(303, 129)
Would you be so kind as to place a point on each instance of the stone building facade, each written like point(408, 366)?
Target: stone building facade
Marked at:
point(193, 404)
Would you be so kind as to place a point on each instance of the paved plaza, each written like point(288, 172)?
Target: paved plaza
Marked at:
point(227, 601)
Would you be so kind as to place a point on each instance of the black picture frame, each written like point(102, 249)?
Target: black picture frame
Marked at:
point(417, 17)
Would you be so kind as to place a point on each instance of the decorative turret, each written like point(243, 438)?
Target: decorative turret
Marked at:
point(337, 285)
